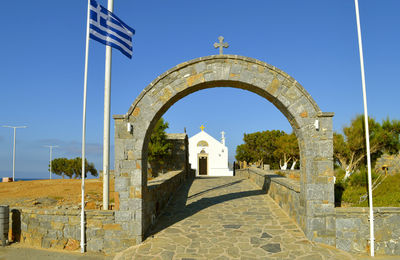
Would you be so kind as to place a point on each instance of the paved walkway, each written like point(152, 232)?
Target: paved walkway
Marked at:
point(227, 218)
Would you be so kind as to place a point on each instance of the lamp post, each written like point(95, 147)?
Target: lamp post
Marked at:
point(51, 150)
point(15, 127)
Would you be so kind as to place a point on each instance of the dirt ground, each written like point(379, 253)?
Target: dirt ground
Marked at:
point(59, 193)
point(21, 252)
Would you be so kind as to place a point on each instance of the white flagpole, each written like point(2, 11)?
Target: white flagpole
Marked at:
point(371, 210)
point(106, 134)
point(84, 133)
point(51, 150)
point(15, 134)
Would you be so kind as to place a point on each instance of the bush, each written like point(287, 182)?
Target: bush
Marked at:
point(360, 178)
point(339, 174)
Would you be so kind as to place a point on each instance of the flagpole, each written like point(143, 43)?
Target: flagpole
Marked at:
point(51, 150)
point(106, 133)
point(371, 210)
point(84, 133)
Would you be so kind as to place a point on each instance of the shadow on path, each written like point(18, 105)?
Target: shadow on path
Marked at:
point(177, 210)
point(215, 188)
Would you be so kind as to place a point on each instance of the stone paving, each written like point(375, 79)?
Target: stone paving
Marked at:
point(227, 218)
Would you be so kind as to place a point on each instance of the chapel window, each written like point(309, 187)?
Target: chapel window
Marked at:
point(202, 144)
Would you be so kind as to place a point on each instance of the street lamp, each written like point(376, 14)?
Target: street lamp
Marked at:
point(15, 127)
point(51, 150)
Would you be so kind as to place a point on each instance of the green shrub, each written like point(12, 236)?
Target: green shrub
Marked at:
point(360, 178)
point(387, 194)
point(339, 174)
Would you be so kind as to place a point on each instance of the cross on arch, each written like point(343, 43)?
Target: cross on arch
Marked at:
point(221, 44)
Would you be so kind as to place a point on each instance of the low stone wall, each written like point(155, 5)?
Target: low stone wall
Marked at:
point(291, 174)
point(285, 191)
point(60, 229)
point(351, 224)
point(178, 159)
point(106, 231)
point(352, 230)
point(159, 191)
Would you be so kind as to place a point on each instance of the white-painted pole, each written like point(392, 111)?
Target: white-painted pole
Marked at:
point(84, 133)
point(51, 150)
point(371, 209)
point(106, 133)
point(15, 134)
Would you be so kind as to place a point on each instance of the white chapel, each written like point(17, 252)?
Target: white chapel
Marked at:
point(208, 156)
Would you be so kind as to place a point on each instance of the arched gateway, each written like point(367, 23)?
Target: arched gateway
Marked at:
point(312, 127)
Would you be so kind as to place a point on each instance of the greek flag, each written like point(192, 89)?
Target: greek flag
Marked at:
point(107, 28)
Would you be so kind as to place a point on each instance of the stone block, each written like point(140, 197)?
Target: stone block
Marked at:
point(24, 226)
point(61, 219)
point(121, 183)
point(72, 232)
point(348, 223)
point(46, 243)
point(58, 243)
point(112, 227)
point(95, 245)
point(93, 233)
point(200, 67)
point(74, 220)
point(123, 195)
point(94, 223)
point(46, 225)
point(57, 225)
point(54, 234)
point(135, 204)
point(121, 216)
point(123, 204)
point(72, 245)
point(236, 69)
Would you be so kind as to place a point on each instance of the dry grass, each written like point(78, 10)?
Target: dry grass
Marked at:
point(64, 191)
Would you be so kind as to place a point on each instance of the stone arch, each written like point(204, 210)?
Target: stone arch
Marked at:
point(312, 127)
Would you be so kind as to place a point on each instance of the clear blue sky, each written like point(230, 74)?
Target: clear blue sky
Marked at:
point(314, 41)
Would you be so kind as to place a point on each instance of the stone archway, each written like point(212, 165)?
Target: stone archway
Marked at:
point(312, 127)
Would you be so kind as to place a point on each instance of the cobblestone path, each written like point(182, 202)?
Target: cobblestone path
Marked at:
point(227, 218)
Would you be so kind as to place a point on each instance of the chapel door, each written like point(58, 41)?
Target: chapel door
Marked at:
point(203, 165)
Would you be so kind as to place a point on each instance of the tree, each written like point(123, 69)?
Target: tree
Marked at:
point(60, 167)
point(159, 147)
point(287, 148)
point(72, 167)
point(259, 147)
point(391, 136)
point(76, 165)
point(350, 151)
point(341, 151)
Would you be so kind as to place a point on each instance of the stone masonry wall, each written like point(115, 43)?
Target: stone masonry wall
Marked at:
point(179, 156)
point(285, 191)
point(392, 162)
point(160, 191)
point(351, 224)
point(352, 230)
point(60, 229)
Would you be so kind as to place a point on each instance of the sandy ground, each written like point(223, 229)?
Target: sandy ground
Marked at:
point(19, 252)
point(60, 193)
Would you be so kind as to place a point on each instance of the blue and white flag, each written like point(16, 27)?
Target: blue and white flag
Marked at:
point(107, 28)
